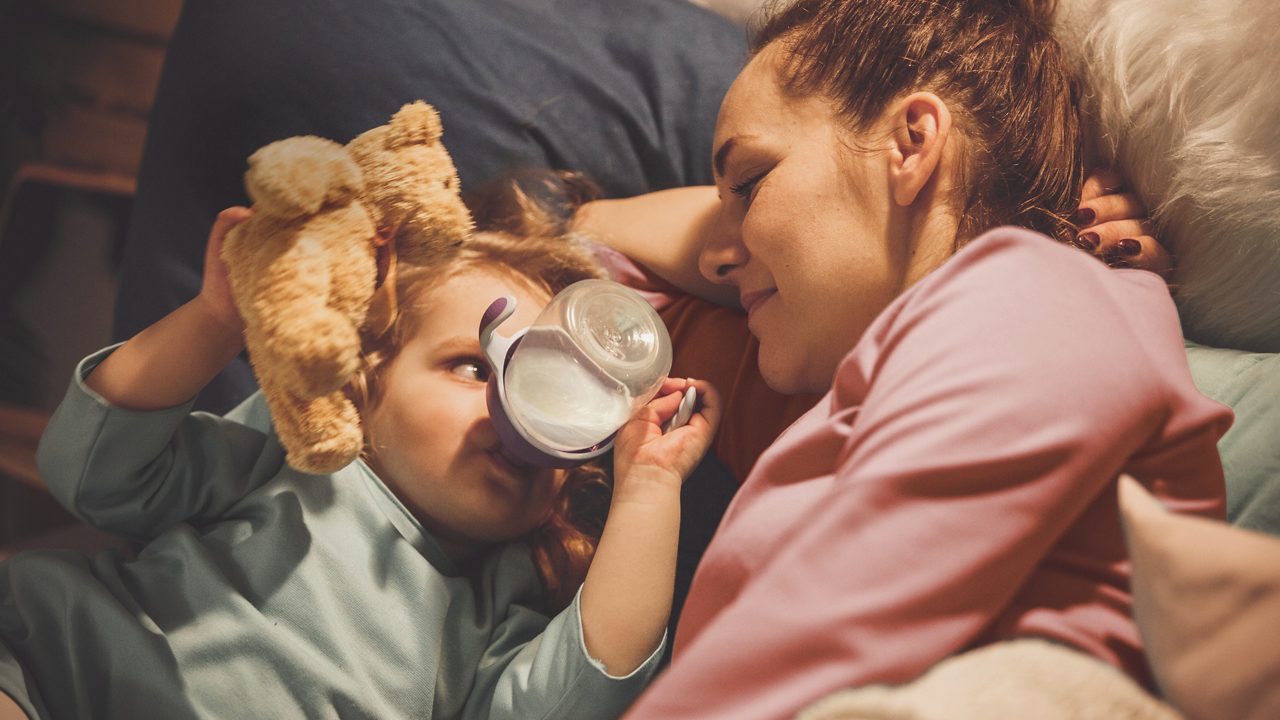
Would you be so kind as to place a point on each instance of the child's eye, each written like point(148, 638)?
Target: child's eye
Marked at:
point(471, 369)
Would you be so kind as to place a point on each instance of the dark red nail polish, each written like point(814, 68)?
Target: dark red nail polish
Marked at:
point(1128, 247)
point(1088, 241)
point(1084, 216)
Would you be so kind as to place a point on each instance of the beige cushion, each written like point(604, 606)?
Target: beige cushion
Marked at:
point(1011, 680)
point(1207, 600)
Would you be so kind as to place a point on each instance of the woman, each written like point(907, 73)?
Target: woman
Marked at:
point(955, 484)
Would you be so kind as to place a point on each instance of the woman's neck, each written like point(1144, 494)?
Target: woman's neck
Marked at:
point(933, 242)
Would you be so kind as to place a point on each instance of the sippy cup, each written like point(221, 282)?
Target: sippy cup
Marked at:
point(562, 388)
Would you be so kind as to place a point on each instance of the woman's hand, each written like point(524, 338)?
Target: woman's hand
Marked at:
point(215, 289)
point(1115, 227)
point(643, 455)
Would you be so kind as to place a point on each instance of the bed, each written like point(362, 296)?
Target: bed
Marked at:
point(627, 93)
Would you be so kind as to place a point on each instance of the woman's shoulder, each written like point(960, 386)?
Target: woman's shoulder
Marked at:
point(1013, 292)
point(1009, 264)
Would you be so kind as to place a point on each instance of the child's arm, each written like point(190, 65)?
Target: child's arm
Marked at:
point(626, 598)
point(171, 361)
point(124, 453)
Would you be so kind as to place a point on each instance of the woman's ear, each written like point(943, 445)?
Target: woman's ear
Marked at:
point(921, 126)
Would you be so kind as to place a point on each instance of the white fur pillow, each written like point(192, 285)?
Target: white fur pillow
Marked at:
point(1186, 96)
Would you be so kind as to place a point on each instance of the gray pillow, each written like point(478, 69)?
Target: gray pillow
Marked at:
point(1250, 384)
point(626, 92)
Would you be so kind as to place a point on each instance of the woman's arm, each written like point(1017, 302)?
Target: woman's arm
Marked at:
point(958, 485)
point(663, 231)
point(171, 361)
point(626, 598)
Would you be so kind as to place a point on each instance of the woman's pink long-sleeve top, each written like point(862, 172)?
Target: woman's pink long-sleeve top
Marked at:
point(955, 487)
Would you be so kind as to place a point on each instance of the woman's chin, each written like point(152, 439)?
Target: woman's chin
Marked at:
point(787, 374)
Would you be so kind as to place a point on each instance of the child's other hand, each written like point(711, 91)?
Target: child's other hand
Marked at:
point(215, 289)
point(643, 455)
point(1115, 227)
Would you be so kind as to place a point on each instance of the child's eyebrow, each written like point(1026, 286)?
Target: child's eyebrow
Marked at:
point(458, 344)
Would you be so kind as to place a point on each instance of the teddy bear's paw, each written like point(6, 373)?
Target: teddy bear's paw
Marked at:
point(300, 175)
point(329, 456)
point(313, 374)
point(321, 436)
point(312, 358)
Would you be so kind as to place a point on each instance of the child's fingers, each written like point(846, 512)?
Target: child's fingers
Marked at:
point(222, 225)
point(229, 218)
point(1101, 181)
point(665, 405)
point(673, 384)
point(706, 416)
point(662, 407)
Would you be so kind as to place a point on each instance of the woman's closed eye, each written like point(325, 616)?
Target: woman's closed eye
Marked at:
point(470, 368)
point(745, 188)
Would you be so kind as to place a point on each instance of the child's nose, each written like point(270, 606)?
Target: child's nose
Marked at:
point(482, 433)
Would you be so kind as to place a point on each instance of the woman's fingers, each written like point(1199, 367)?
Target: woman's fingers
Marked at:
point(1102, 239)
point(1141, 251)
point(1102, 181)
point(1114, 226)
point(1109, 208)
point(1126, 249)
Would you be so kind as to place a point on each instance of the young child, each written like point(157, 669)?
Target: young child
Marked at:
point(422, 580)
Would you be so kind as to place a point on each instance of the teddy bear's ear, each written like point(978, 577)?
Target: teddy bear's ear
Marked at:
point(299, 175)
point(414, 124)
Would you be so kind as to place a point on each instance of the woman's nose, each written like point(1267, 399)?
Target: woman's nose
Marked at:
point(722, 253)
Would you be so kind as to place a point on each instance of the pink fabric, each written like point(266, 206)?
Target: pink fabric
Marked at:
point(955, 487)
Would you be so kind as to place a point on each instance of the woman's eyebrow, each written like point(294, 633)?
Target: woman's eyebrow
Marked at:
point(721, 160)
point(722, 155)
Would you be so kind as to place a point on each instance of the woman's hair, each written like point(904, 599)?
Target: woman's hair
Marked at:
point(995, 64)
point(532, 248)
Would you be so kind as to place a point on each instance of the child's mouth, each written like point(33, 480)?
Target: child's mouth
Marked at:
point(516, 472)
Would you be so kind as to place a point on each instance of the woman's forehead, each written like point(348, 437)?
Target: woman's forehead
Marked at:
point(759, 106)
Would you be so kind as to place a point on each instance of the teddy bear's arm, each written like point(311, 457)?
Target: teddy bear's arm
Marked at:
point(308, 316)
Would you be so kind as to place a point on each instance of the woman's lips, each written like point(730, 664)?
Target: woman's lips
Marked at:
point(752, 300)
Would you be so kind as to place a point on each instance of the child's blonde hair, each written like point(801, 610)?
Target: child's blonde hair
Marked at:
point(536, 251)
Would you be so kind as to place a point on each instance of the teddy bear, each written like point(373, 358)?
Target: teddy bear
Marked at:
point(329, 222)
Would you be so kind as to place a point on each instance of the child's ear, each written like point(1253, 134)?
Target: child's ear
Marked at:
point(921, 126)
